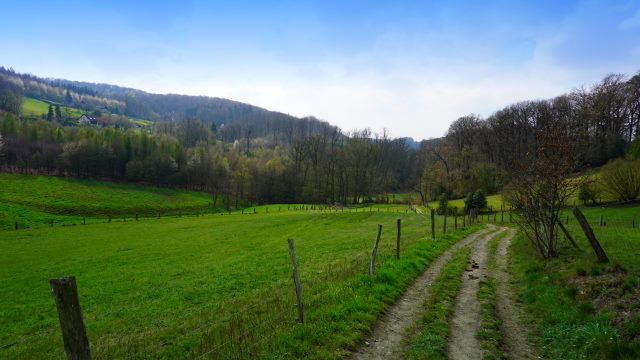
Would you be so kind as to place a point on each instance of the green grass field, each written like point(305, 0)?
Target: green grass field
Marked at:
point(578, 308)
point(34, 201)
point(214, 283)
point(34, 107)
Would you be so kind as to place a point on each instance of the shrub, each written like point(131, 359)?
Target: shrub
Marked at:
point(587, 193)
point(621, 178)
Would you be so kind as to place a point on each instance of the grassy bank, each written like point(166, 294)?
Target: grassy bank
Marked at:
point(36, 200)
point(581, 309)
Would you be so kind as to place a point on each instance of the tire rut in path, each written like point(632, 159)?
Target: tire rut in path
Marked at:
point(386, 338)
point(465, 322)
point(515, 334)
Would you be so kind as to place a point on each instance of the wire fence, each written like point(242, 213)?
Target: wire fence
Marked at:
point(72, 220)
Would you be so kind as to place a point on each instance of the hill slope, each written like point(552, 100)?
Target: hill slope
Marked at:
point(33, 201)
point(240, 120)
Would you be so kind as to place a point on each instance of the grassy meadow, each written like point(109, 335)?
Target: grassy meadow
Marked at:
point(212, 285)
point(34, 107)
point(33, 201)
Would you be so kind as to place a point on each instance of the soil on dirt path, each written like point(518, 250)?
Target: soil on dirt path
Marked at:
point(466, 320)
point(515, 334)
point(386, 339)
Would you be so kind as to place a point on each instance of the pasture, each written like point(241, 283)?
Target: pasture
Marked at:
point(35, 107)
point(210, 286)
point(33, 201)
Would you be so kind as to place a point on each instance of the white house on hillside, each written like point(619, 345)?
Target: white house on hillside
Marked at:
point(87, 120)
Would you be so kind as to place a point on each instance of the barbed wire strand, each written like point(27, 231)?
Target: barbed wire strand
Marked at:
point(240, 336)
point(24, 339)
point(203, 327)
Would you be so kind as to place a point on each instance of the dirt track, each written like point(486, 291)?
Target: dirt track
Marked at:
point(387, 339)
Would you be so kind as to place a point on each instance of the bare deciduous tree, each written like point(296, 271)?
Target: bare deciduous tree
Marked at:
point(543, 183)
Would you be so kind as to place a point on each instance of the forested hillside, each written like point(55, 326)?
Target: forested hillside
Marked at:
point(264, 157)
point(233, 120)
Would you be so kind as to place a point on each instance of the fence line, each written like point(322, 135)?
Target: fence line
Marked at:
point(218, 347)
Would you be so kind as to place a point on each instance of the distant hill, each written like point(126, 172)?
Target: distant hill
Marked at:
point(233, 119)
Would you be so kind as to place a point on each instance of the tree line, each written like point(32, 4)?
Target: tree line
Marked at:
point(485, 153)
point(328, 168)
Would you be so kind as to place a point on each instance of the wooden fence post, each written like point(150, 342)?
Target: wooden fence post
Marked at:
point(444, 224)
point(602, 256)
point(74, 335)
point(398, 222)
point(17, 225)
point(51, 222)
point(84, 220)
point(372, 262)
point(433, 224)
point(296, 282)
point(136, 217)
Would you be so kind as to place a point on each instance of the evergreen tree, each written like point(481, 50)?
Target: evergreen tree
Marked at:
point(443, 204)
point(50, 113)
point(479, 200)
point(468, 202)
point(58, 114)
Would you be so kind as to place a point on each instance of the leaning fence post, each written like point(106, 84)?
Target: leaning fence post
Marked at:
point(398, 222)
point(602, 256)
point(372, 262)
point(74, 335)
point(433, 224)
point(296, 282)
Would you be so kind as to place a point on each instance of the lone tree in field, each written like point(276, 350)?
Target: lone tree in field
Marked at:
point(542, 184)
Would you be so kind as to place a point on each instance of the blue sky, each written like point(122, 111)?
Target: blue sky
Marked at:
point(412, 67)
